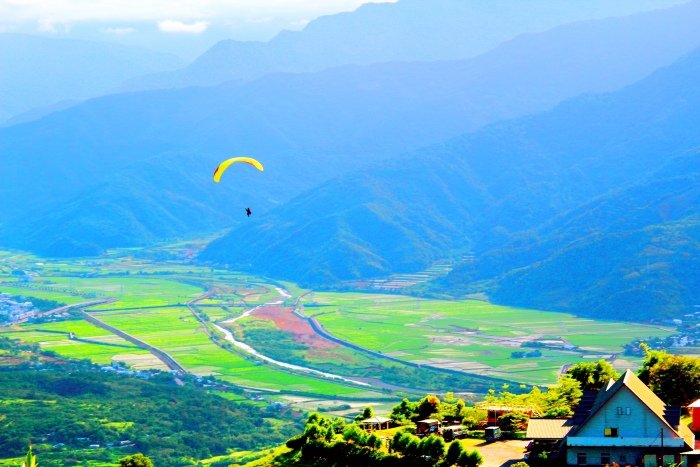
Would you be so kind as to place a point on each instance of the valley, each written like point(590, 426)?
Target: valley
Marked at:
point(289, 342)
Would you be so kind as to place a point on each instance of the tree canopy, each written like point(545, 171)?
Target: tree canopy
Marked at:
point(593, 376)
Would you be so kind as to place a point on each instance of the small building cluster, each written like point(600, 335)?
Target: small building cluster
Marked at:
point(12, 310)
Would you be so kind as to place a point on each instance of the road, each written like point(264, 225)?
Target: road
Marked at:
point(63, 309)
point(164, 357)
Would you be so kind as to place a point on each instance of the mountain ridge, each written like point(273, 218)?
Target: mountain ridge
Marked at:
point(520, 173)
point(381, 32)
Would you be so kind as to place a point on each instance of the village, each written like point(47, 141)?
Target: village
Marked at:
point(13, 311)
point(623, 423)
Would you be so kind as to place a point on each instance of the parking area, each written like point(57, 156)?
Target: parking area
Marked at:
point(501, 453)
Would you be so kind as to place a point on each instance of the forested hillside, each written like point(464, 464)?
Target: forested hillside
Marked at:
point(68, 406)
point(487, 192)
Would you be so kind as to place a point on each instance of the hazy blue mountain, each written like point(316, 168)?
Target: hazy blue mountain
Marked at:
point(308, 127)
point(408, 30)
point(125, 209)
point(634, 251)
point(484, 192)
point(39, 72)
point(388, 218)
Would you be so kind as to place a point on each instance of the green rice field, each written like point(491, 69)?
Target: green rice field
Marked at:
point(175, 331)
point(107, 346)
point(472, 335)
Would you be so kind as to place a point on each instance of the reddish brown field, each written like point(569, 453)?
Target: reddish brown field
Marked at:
point(285, 320)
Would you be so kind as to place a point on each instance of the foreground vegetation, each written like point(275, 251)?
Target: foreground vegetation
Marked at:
point(330, 441)
point(72, 412)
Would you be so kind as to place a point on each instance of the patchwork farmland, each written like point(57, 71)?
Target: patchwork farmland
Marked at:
point(394, 344)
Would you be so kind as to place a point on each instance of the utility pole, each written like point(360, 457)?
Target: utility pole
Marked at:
point(662, 446)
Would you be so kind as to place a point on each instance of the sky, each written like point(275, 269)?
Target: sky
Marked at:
point(182, 27)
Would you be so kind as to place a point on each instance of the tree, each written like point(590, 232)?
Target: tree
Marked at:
point(593, 376)
point(400, 441)
point(559, 411)
point(513, 421)
point(651, 358)
point(676, 379)
point(471, 416)
point(427, 406)
point(136, 460)
point(314, 431)
point(459, 407)
point(373, 441)
point(338, 424)
point(453, 452)
point(567, 393)
point(433, 447)
point(405, 410)
point(413, 447)
point(355, 434)
point(368, 413)
point(470, 459)
point(314, 417)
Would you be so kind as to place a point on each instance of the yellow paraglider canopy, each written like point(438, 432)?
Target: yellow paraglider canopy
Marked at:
point(225, 165)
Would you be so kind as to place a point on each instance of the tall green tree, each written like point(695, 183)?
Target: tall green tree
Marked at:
point(355, 434)
point(676, 379)
point(427, 406)
point(651, 358)
point(433, 447)
point(565, 395)
point(453, 452)
point(136, 460)
point(470, 459)
point(593, 376)
point(373, 441)
point(513, 421)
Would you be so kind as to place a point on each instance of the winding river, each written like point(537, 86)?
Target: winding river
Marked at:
point(246, 348)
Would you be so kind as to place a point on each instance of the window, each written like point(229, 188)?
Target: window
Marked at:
point(581, 458)
point(628, 411)
point(620, 411)
point(605, 458)
point(624, 411)
point(610, 432)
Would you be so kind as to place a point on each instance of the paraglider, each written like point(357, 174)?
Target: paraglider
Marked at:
point(221, 168)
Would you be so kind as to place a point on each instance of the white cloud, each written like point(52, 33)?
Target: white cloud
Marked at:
point(300, 23)
point(73, 11)
point(119, 31)
point(51, 26)
point(170, 25)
